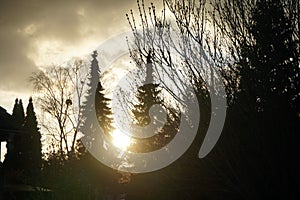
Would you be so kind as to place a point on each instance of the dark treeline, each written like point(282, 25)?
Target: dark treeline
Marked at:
point(256, 156)
point(23, 160)
point(25, 153)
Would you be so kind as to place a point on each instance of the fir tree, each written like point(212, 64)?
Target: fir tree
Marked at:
point(103, 110)
point(19, 146)
point(270, 95)
point(93, 81)
point(16, 108)
point(147, 96)
point(18, 111)
point(33, 140)
point(98, 104)
point(270, 68)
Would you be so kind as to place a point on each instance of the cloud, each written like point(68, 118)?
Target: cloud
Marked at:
point(35, 33)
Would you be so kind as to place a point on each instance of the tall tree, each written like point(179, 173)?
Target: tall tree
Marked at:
point(19, 149)
point(270, 86)
point(58, 86)
point(264, 38)
point(103, 110)
point(32, 140)
point(18, 111)
point(270, 65)
point(100, 104)
point(147, 96)
point(255, 44)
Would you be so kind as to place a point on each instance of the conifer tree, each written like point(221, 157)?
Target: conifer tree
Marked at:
point(99, 105)
point(147, 96)
point(19, 147)
point(93, 81)
point(270, 64)
point(18, 111)
point(16, 107)
point(103, 110)
point(270, 96)
point(33, 140)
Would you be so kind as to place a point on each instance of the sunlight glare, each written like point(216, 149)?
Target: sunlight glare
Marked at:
point(120, 139)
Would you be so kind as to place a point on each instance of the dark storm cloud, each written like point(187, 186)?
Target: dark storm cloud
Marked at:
point(25, 23)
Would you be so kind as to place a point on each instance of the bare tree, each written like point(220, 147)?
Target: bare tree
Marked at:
point(60, 92)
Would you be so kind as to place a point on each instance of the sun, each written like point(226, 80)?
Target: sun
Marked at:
point(120, 139)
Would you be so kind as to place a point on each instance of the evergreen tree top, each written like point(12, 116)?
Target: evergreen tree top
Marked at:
point(95, 54)
point(30, 108)
point(18, 111)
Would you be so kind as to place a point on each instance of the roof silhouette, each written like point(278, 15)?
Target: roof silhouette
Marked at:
point(7, 125)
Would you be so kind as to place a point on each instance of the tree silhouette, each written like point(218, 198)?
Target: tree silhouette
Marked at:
point(57, 87)
point(82, 174)
point(32, 141)
point(103, 111)
point(18, 156)
point(264, 38)
point(90, 105)
point(255, 45)
point(270, 64)
point(147, 96)
point(270, 88)
point(18, 111)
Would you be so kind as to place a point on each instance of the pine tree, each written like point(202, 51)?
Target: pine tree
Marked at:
point(18, 111)
point(99, 105)
point(21, 112)
point(270, 92)
point(147, 96)
point(19, 147)
point(103, 110)
point(32, 140)
point(271, 64)
point(93, 81)
point(16, 107)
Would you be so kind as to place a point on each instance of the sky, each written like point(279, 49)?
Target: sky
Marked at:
point(39, 33)
point(35, 34)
